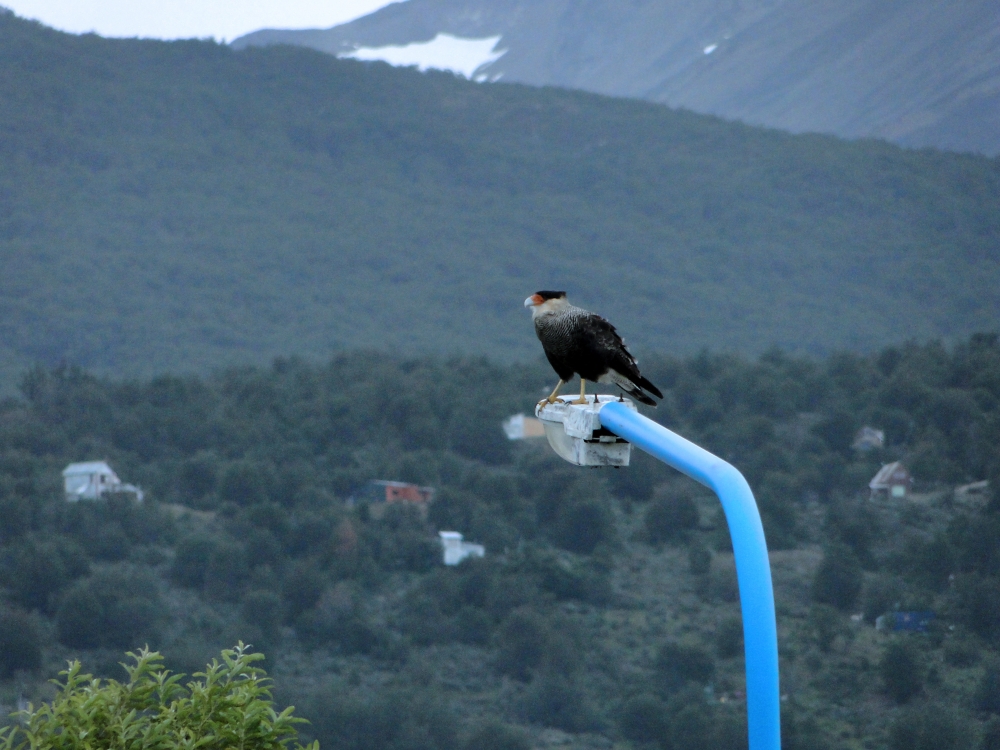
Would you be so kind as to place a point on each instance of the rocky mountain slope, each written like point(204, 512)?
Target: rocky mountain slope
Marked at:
point(907, 72)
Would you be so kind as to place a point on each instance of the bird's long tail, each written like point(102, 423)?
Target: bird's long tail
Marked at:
point(636, 392)
point(644, 383)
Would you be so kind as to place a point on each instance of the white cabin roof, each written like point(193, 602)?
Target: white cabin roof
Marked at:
point(87, 467)
point(888, 475)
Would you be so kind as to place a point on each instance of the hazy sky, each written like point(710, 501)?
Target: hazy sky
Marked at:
point(179, 19)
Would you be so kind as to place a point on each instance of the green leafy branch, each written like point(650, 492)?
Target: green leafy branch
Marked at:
point(228, 706)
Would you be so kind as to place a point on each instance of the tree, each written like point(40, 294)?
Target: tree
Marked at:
point(20, 643)
point(118, 607)
point(228, 705)
point(838, 578)
point(928, 728)
point(677, 664)
point(494, 735)
point(556, 701)
point(991, 735)
point(902, 672)
point(669, 516)
point(522, 641)
point(643, 718)
point(987, 696)
point(583, 524)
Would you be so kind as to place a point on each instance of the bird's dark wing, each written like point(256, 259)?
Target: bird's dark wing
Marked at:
point(616, 354)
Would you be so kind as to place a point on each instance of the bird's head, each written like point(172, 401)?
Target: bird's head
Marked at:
point(545, 302)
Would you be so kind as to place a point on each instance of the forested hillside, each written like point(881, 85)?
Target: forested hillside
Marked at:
point(605, 609)
point(182, 206)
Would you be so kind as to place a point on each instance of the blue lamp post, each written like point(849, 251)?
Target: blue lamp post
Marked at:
point(753, 569)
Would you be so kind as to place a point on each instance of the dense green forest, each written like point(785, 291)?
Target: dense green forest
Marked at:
point(605, 611)
point(176, 207)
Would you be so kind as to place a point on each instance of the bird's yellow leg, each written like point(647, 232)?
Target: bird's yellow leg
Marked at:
point(583, 393)
point(551, 398)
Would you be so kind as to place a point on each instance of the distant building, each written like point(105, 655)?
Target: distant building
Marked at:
point(519, 427)
point(90, 480)
point(381, 493)
point(892, 479)
point(974, 492)
point(914, 622)
point(868, 439)
point(455, 550)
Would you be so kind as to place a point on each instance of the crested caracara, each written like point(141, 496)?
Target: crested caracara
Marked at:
point(577, 342)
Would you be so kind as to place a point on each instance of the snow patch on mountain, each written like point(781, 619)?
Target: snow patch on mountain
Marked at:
point(443, 52)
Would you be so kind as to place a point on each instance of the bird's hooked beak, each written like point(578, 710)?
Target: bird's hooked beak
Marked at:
point(534, 299)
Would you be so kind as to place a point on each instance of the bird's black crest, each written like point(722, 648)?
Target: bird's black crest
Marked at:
point(551, 295)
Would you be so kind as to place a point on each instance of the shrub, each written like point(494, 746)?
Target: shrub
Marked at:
point(691, 720)
point(991, 735)
point(246, 483)
point(494, 735)
point(838, 579)
point(20, 643)
point(198, 476)
point(962, 652)
point(521, 643)
point(978, 604)
point(568, 579)
point(36, 572)
point(700, 560)
point(263, 608)
point(583, 524)
point(118, 607)
point(668, 517)
point(555, 701)
point(729, 638)
point(390, 720)
point(929, 562)
point(228, 706)
point(79, 620)
point(190, 559)
point(302, 587)
point(928, 728)
point(644, 719)
point(881, 595)
point(987, 697)
point(677, 664)
point(228, 567)
point(902, 672)
point(526, 642)
point(826, 624)
point(731, 732)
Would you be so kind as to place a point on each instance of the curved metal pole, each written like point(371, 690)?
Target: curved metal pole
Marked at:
point(753, 570)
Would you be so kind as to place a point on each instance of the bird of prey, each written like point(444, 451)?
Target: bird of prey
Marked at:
point(580, 342)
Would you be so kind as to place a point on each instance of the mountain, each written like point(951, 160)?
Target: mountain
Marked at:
point(915, 73)
point(183, 206)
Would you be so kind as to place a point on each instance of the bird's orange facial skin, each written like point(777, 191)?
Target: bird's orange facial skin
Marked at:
point(536, 299)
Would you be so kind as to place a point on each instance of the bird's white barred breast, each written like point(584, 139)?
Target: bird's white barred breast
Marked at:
point(556, 329)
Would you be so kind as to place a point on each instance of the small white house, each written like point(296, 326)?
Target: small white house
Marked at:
point(892, 479)
point(868, 439)
point(89, 480)
point(521, 427)
point(455, 550)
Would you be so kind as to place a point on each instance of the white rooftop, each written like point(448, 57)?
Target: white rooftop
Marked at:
point(87, 467)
